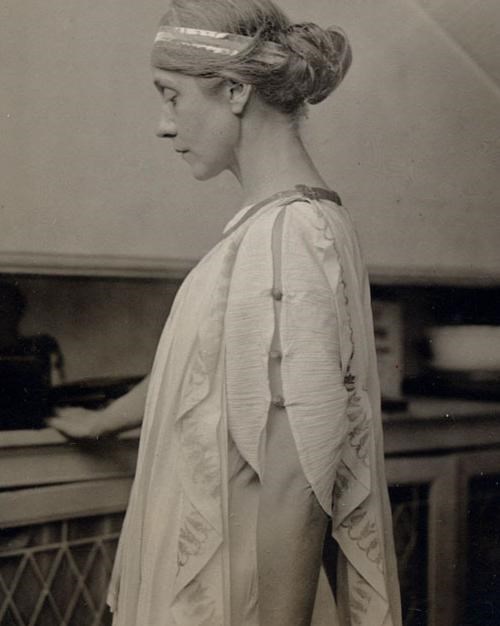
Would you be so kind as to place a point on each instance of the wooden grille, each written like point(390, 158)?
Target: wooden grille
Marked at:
point(57, 573)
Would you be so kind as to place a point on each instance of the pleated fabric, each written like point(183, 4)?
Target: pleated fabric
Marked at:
point(209, 393)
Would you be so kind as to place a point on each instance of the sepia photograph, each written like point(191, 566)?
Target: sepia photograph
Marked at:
point(250, 313)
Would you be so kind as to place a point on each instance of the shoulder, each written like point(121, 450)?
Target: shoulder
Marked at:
point(321, 218)
point(324, 231)
point(306, 212)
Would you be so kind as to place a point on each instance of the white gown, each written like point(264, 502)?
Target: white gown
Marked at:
point(210, 378)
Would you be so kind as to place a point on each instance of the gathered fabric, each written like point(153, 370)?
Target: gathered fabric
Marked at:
point(206, 415)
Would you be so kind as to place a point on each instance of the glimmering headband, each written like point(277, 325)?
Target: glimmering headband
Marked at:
point(172, 42)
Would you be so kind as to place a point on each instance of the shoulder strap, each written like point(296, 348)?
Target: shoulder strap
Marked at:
point(299, 191)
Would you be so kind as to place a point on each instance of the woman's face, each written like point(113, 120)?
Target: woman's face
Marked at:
point(197, 116)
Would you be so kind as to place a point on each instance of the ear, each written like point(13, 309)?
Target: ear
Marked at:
point(238, 95)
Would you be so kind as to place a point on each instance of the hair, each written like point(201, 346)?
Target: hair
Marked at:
point(314, 62)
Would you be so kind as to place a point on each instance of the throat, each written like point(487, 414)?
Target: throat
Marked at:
point(278, 166)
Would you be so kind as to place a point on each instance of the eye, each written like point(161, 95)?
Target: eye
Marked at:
point(166, 93)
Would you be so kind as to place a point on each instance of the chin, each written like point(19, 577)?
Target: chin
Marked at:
point(203, 173)
point(201, 176)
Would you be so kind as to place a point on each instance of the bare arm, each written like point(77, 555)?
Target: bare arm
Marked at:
point(125, 413)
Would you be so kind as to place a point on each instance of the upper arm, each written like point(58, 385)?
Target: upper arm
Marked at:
point(307, 328)
point(283, 341)
point(308, 333)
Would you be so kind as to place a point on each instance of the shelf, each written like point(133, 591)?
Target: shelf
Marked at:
point(115, 266)
point(95, 266)
point(46, 437)
point(432, 277)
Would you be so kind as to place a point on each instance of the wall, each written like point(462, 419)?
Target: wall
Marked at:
point(409, 141)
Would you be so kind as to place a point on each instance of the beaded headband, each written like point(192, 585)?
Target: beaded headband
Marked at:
point(208, 43)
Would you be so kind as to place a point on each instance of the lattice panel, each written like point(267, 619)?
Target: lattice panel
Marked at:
point(483, 547)
point(410, 512)
point(57, 574)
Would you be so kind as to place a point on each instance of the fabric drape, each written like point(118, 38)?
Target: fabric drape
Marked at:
point(210, 379)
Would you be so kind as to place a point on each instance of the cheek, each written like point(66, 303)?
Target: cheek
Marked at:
point(224, 133)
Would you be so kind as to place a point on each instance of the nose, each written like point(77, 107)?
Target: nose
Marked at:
point(166, 127)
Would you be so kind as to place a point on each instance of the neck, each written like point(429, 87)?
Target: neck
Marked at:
point(271, 157)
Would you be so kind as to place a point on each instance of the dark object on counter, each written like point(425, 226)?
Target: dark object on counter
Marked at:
point(394, 405)
point(92, 393)
point(473, 385)
point(24, 392)
point(28, 365)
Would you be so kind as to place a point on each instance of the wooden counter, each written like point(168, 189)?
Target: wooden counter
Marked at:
point(32, 460)
point(441, 459)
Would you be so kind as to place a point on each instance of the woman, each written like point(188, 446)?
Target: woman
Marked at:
point(262, 418)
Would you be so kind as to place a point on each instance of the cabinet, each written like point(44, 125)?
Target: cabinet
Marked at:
point(61, 508)
point(482, 579)
point(61, 505)
point(446, 529)
point(446, 508)
point(426, 516)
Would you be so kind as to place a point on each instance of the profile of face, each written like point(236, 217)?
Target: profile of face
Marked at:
point(201, 118)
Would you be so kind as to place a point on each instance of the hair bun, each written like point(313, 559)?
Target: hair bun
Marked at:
point(319, 61)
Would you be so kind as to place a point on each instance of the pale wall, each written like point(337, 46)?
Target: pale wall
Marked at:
point(410, 141)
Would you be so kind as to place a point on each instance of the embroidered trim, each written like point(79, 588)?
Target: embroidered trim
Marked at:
point(363, 532)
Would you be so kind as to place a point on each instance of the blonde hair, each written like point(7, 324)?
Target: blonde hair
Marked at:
point(314, 62)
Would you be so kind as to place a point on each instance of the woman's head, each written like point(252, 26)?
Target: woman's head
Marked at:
point(288, 64)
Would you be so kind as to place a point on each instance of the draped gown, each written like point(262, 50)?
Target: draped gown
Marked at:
point(206, 413)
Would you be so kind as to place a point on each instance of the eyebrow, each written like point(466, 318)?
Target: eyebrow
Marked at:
point(159, 84)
